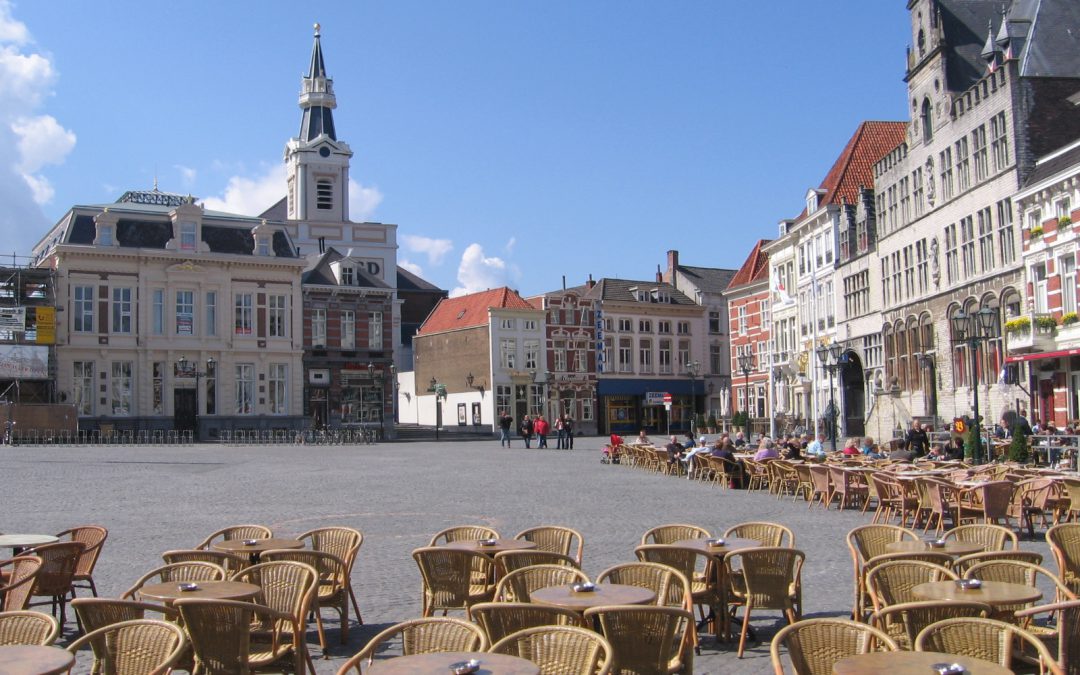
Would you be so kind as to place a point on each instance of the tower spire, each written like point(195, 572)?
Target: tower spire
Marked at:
point(317, 96)
point(318, 68)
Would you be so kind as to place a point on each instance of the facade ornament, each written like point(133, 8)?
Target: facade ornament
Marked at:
point(931, 192)
point(935, 267)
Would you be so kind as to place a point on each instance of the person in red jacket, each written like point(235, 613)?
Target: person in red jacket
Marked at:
point(541, 428)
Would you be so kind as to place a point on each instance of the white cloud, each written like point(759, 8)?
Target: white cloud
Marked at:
point(510, 245)
point(411, 266)
point(187, 174)
point(362, 201)
point(11, 30)
point(478, 272)
point(250, 196)
point(434, 249)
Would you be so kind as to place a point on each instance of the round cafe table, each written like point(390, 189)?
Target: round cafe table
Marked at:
point(952, 547)
point(439, 664)
point(499, 546)
point(993, 593)
point(730, 544)
point(256, 549)
point(912, 663)
point(20, 542)
point(210, 590)
point(34, 660)
point(605, 594)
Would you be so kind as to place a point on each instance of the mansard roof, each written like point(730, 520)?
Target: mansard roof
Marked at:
point(620, 290)
point(470, 311)
point(319, 273)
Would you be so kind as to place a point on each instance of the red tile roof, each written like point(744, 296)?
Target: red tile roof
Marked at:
point(469, 311)
point(755, 268)
point(854, 168)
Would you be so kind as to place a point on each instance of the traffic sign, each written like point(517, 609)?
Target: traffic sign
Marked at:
point(667, 399)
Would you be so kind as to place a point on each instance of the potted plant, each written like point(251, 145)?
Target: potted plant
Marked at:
point(1069, 319)
point(740, 420)
point(1018, 448)
point(1046, 323)
point(1064, 222)
point(1036, 232)
point(1020, 324)
point(712, 423)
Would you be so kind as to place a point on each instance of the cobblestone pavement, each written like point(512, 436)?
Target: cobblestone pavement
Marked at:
point(157, 498)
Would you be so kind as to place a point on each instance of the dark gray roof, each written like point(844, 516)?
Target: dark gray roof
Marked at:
point(319, 272)
point(408, 281)
point(618, 290)
point(1051, 167)
point(279, 211)
point(708, 279)
point(1052, 45)
point(965, 24)
point(317, 67)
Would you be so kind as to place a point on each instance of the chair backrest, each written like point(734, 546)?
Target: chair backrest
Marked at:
point(331, 568)
point(58, 562)
point(870, 541)
point(344, 542)
point(555, 539)
point(766, 534)
point(447, 574)
point(140, 647)
point(559, 650)
point(892, 582)
point(644, 638)
point(230, 561)
point(22, 573)
point(23, 627)
point(284, 586)
point(688, 561)
point(769, 573)
point(1068, 629)
point(1019, 572)
point(95, 613)
point(463, 533)
point(990, 537)
point(671, 586)
point(960, 565)
point(220, 632)
point(669, 534)
point(508, 561)
point(905, 620)
point(519, 584)
point(814, 645)
point(985, 639)
point(937, 558)
point(499, 619)
point(995, 496)
point(1064, 541)
point(93, 538)
point(237, 532)
point(188, 571)
point(420, 636)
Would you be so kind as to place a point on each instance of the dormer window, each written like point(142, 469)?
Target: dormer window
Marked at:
point(264, 247)
point(187, 236)
point(660, 295)
point(324, 194)
point(811, 202)
point(105, 235)
point(347, 276)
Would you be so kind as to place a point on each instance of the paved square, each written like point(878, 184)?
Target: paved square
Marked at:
point(398, 494)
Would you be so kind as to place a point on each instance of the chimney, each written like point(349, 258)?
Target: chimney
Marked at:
point(322, 244)
point(591, 282)
point(564, 282)
point(659, 275)
point(672, 263)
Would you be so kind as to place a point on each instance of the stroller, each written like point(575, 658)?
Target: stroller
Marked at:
point(610, 453)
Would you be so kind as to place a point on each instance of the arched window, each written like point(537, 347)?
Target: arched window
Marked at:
point(902, 355)
point(991, 357)
point(890, 352)
point(960, 355)
point(927, 121)
point(914, 349)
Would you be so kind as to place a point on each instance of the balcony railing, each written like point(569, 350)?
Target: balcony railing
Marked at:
point(1036, 331)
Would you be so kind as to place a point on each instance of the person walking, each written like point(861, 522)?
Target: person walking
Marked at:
point(560, 431)
point(526, 430)
point(542, 428)
point(505, 422)
point(568, 428)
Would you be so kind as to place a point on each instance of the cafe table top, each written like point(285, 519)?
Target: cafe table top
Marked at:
point(991, 592)
point(34, 660)
point(439, 663)
point(499, 546)
point(912, 663)
point(730, 544)
point(26, 540)
point(260, 545)
point(211, 590)
point(952, 547)
point(605, 594)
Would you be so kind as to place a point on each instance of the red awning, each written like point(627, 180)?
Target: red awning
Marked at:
point(1042, 355)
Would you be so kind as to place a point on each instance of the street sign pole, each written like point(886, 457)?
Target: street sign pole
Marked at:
point(667, 408)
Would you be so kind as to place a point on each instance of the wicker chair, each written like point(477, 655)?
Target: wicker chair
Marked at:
point(671, 586)
point(766, 534)
point(891, 583)
point(463, 533)
point(1067, 621)
point(237, 532)
point(331, 589)
point(866, 542)
point(822, 491)
point(764, 578)
point(815, 645)
point(758, 474)
point(230, 561)
point(669, 534)
point(695, 565)
point(499, 619)
point(559, 650)
point(646, 639)
point(93, 538)
point(419, 636)
point(893, 499)
point(991, 537)
point(221, 636)
point(1032, 498)
point(449, 581)
point(508, 561)
point(806, 482)
point(54, 579)
point(287, 588)
point(942, 503)
point(28, 628)
point(1064, 541)
point(189, 571)
point(17, 582)
point(987, 503)
point(345, 543)
point(985, 639)
point(960, 565)
point(518, 585)
point(140, 647)
point(904, 621)
point(1019, 572)
point(95, 613)
point(555, 539)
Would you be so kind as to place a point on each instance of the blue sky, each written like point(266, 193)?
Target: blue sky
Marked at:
point(512, 142)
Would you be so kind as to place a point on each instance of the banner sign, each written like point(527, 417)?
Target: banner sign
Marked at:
point(13, 318)
point(46, 325)
point(654, 397)
point(22, 362)
point(600, 341)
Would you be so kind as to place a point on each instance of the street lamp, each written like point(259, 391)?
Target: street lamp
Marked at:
point(746, 366)
point(693, 369)
point(469, 379)
point(830, 358)
point(182, 371)
point(973, 330)
point(440, 393)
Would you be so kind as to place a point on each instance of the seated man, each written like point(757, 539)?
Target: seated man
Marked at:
point(675, 450)
point(869, 450)
point(816, 448)
point(688, 455)
point(642, 438)
point(903, 452)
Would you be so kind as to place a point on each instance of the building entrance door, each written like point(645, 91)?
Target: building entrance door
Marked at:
point(521, 403)
point(184, 404)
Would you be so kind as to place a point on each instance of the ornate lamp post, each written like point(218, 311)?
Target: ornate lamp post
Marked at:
point(693, 369)
point(973, 330)
point(746, 366)
point(440, 393)
point(830, 359)
point(182, 370)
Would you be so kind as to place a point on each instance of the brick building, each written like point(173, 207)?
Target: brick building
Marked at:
point(748, 315)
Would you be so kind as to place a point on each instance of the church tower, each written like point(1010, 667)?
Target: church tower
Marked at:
point(317, 163)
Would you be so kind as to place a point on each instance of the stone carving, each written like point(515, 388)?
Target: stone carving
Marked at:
point(931, 192)
point(935, 267)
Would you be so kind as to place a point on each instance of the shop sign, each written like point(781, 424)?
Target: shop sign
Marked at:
point(655, 397)
point(22, 362)
point(13, 319)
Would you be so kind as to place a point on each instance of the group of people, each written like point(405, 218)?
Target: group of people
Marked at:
point(538, 426)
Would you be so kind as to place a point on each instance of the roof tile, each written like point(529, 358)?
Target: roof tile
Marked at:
point(469, 311)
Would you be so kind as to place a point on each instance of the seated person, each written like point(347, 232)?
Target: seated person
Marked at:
point(642, 438)
point(903, 452)
point(767, 450)
point(869, 450)
point(955, 449)
point(675, 450)
point(816, 448)
point(793, 449)
point(851, 448)
point(937, 453)
point(740, 440)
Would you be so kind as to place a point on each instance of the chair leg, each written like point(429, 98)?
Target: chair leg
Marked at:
point(745, 628)
point(317, 611)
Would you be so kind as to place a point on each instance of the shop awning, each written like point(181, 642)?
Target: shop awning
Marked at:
point(1042, 355)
